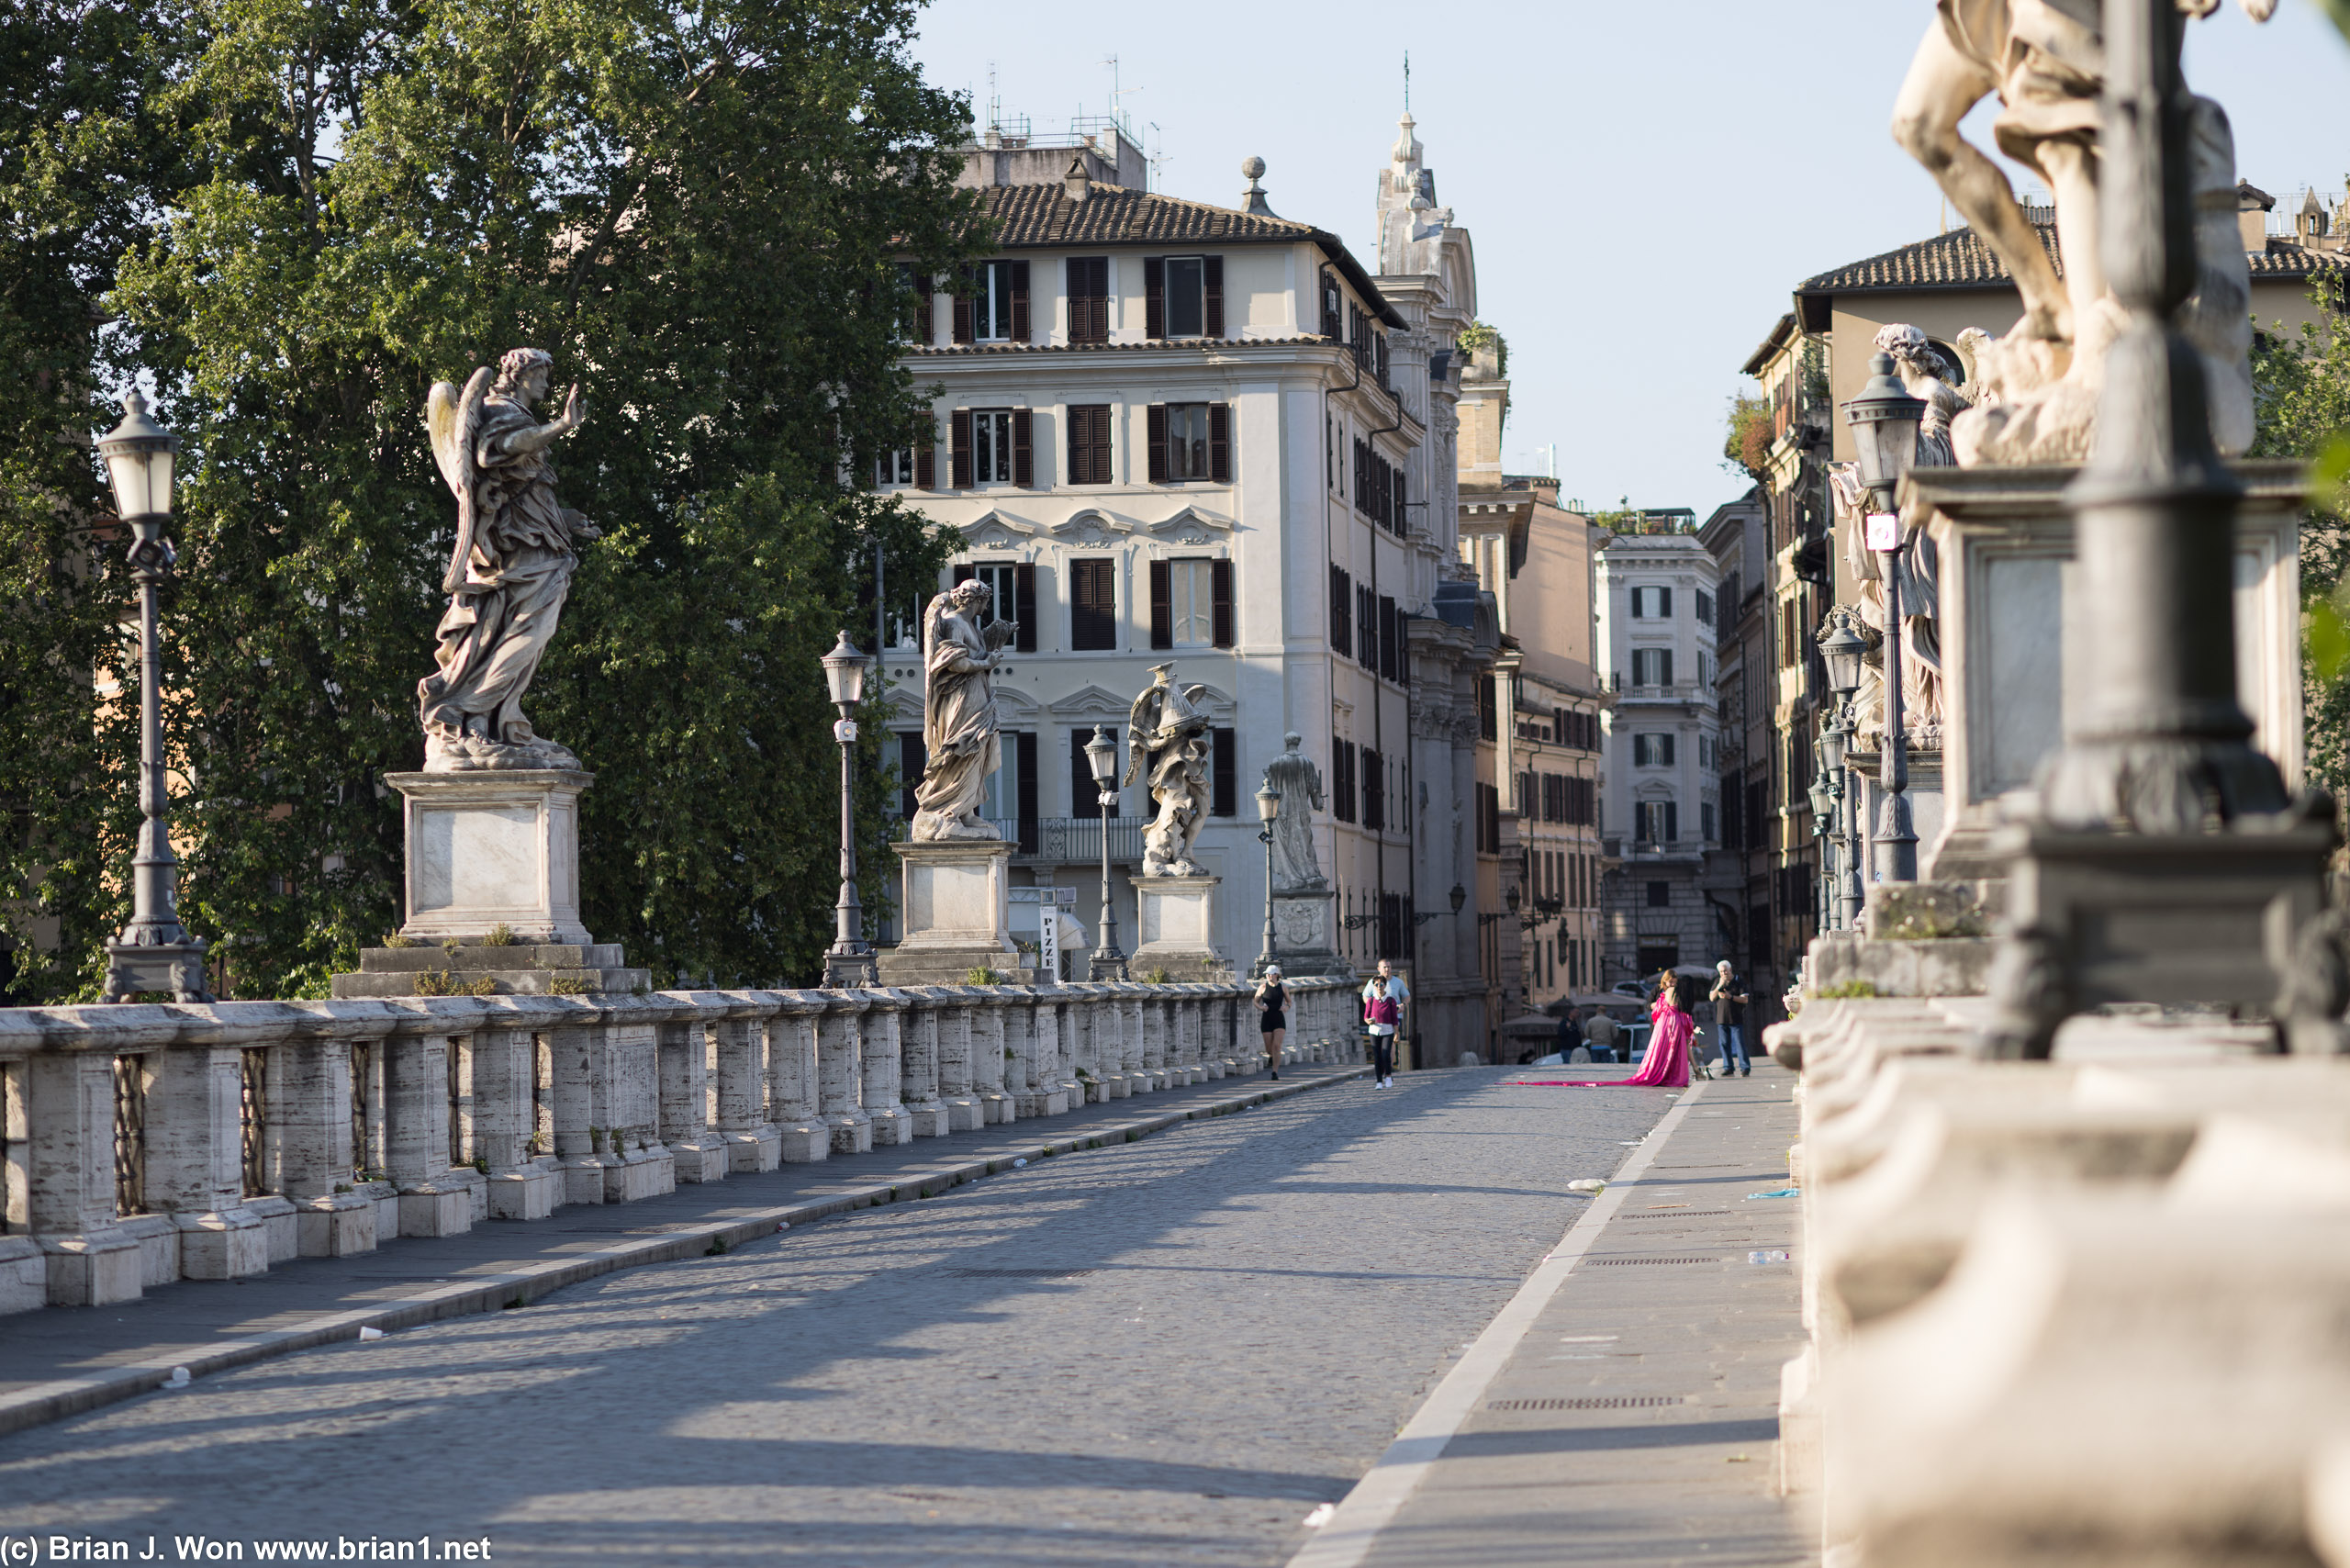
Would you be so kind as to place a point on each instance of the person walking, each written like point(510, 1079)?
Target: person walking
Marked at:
point(1730, 998)
point(1398, 990)
point(1272, 1016)
point(1570, 1034)
point(1381, 1015)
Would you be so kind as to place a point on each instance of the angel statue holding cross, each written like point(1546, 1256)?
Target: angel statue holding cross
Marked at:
point(510, 570)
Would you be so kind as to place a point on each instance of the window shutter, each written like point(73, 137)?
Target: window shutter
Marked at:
point(1084, 795)
point(1023, 449)
point(1387, 636)
point(1219, 439)
point(926, 454)
point(1224, 799)
point(1664, 665)
point(1220, 589)
point(1024, 753)
point(963, 303)
point(1672, 821)
point(1157, 424)
point(1212, 289)
point(1024, 606)
point(1162, 607)
point(1664, 602)
point(1080, 463)
point(1341, 636)
point(959, 431)
point(912, 757)
point(1365, 628)
point(1020, 302)
point(1089, 299)
point(1093, 606)
point(1154, 288)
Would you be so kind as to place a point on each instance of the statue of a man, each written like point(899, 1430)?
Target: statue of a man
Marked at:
point(963, 746)
point(1168, 736)
point(511, 568)
point(1298, 782)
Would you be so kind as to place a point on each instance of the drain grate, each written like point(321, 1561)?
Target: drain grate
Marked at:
point(1594, 1402)
point(1681, 1214)
point(1631, 1262)
point(1018, 1273)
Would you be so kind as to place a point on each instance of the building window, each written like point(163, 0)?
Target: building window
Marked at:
point(1093, 605)
point(1001, 285)
point(1659, 823)
point(1191, 604)
point(1189, 441)
point(1652, 667)
point(1651, 604)
point(1365, 628)
point(1342, 613)
point(1705, 820)
point(1705, 607)
point(992, 446)
point(1390, 640)
point(1375, 791)
point(894, 469)
point(1088, 444)
point(1342, 779)
point(1183, 297)
point(1653, 751)
point(1489, 722)
point(1089, 299)
point(1659, 895)
point(1223, 785)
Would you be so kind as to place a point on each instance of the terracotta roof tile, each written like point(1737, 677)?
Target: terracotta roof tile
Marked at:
point(1960, 259)
point(1116, 215)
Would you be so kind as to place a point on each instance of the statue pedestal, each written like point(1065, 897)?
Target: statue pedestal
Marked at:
point(493, 848)
point(487, 848)
point(1304, 927)
point(1177, 915)
point(953, 901)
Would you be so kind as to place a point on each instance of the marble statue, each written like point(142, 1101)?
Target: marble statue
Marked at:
point(2036, 389)
point(960, 649)
point(511, 568)
point(1167, 737)
point(1298, 782)
point(1921, 646)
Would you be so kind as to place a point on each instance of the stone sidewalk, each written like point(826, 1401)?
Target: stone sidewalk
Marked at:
point(1623, 1409)
point(61, 1362)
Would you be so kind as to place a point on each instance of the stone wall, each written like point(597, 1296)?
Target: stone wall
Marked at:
point(140, 1144)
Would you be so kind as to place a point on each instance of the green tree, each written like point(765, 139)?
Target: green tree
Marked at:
point(2302, 392)
point(702, 214)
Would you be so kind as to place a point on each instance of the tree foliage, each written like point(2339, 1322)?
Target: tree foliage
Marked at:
point(701, 212)
point(2302, 391)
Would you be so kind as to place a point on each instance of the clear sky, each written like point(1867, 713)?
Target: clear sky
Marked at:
point(1645, 182)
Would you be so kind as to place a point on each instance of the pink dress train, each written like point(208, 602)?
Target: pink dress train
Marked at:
point(1665, 1064)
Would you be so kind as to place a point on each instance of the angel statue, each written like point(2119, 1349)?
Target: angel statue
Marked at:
point(1168, 736)
point(962, 746)
point(510, 570)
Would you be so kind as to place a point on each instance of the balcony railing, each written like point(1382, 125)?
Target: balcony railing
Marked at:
point(1071, 841)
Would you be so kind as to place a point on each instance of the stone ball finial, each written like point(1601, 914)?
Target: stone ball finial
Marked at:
point(1252, 168)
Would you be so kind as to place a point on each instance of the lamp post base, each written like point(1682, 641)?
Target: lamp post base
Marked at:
point(851, 969)
point(176, 967)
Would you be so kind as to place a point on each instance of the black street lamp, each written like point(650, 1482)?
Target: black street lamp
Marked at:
point(1109, 962)
point(1843, 651)
point(850, 960)
point(1268, 806)
point(1884, 420)
point(153, 952)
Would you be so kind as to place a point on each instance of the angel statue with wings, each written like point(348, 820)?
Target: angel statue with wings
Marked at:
point(1167, 736)
point(510, 570)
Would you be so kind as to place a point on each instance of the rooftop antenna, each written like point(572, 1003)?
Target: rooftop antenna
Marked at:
point(1155, 156)
point(1407, 81)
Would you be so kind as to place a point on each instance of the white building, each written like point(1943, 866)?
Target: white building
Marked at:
point(1660, 793)
point(1174, 431)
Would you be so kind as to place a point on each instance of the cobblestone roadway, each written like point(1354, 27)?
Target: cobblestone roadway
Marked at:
point(1266, 1296)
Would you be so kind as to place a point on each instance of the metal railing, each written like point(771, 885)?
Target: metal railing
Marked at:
point(1072, 841)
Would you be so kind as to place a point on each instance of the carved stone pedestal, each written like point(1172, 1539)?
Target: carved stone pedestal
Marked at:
point(1304, 927)
point(1177, 917)
point(953, 900)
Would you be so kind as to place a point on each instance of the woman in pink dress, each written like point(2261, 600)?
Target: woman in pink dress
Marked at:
point(1666, 1064)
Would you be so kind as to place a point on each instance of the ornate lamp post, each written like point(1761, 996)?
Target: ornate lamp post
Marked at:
point(1841, 651)
point(1884, 420)
point(1269, 804)
point(1109, 962)
point(849, 961)
point(153, 953)
point(1825, 795)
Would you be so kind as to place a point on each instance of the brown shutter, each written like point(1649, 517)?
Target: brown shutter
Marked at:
point(1162, 606)
point(1154, 286)
point(959, 425)
point(926, 454)
point(1020, 302)
point(1220, 580)
point(1023, 450)
point(1223, 797)
point(1157, 423)
point(963, 311)
point(1212, 283)
point(1089, 299)
point(1219, 441)
point(1024, 606)
point(1023, 751)
point(1080, 444)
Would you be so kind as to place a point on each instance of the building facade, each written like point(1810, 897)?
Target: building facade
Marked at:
point(1738, 878)
point(1168, 431)
point(1660, 796)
